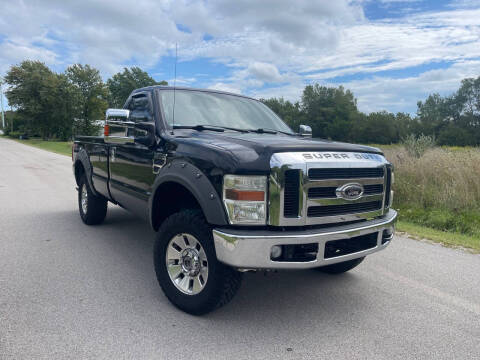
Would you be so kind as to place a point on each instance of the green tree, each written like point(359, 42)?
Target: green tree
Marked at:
point(123, 83)
point(376, 127)
point(43, 99)
point(329, 111)
point(287, 111)
point(433, 114)
point(467, 107)
point(404, 125)
point(454, 119)
point(92, 95)
point(66, 107)
point(455, 135)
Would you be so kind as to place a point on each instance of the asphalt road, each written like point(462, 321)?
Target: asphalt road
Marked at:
point(72, 291)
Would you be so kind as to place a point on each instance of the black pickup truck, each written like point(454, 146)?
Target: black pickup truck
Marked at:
point(229, 187)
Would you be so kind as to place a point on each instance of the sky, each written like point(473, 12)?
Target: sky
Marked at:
point(390, 53)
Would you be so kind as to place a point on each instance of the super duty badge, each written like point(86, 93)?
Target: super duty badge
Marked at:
point(340, 156)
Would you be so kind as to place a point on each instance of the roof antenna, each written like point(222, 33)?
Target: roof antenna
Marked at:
point(174, 88)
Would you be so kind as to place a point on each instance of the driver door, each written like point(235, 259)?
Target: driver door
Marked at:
point(131, 163)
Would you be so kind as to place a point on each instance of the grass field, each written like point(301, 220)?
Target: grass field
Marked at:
point(437, 194)
point(450, 239)
point(59, 147)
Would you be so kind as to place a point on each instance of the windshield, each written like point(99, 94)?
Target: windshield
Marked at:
point(214, 109)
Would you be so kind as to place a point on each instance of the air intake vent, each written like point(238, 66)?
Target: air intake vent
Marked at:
point(291, 197)
point(336, 248)
point(345, 173)
point(332, 210)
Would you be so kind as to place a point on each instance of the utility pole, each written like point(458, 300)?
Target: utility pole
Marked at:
point(1, 100)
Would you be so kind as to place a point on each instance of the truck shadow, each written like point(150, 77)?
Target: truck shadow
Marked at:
point(262, 294)
point(274, 297)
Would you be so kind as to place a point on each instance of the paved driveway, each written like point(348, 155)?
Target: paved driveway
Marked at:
point(72, 291)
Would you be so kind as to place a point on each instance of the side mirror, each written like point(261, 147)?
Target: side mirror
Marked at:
point(305, 131)
point(117, 121)
point(149, 129)
point(117, 115)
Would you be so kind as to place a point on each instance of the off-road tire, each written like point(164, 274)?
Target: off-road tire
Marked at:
point(96, 206)
point(340, 268)
point(223, 281)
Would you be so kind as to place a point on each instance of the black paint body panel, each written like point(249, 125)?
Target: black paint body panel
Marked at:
point(195, 159)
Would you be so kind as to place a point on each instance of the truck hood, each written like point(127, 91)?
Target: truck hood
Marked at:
point(250, 152)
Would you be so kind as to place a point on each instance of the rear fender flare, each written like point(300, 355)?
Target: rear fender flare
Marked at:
point(82, 157)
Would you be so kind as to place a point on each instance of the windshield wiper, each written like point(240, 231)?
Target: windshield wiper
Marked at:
point(269, 131)
point(208, 127)
point(199, 127)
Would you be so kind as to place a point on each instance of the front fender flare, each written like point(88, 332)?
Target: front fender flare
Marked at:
point(195, 181)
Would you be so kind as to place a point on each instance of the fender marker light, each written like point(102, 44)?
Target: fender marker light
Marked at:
point(233, 194)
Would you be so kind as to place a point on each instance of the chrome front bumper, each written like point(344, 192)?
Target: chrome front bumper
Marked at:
point(250, 249)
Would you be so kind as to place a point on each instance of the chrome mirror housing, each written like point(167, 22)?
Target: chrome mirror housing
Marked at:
point(117, 114)
point(117, 124)
point(305, 130)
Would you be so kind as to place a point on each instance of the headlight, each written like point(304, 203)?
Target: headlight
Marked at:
point(245, 199)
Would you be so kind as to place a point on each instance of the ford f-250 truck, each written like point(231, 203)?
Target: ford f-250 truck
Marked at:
point(229, 187)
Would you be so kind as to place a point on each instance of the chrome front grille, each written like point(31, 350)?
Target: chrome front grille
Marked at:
point(306, 188)
point(332, 210)
point(344, 173)
point(330, 192)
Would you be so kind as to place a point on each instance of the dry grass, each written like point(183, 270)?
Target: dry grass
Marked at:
point(440, 189)
point(441, 178)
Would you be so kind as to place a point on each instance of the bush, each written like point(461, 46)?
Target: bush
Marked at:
point(15, 134)
point(454, 135)
point(417, 146)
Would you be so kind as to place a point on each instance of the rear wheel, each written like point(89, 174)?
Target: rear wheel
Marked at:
point(93, 209)
point(187, 267)
point(341, 267)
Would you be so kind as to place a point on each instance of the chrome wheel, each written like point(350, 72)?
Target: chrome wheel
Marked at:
point(187, 264)
point(84, 199)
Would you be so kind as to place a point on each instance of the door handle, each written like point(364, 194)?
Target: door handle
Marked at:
point(112, 154)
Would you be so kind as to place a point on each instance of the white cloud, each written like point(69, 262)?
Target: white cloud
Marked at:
point(106, 34)
point(182, 81)
point(398, 1)
point(402, 94)
point(225, 87)
point(264, 43)
point(12, 53)
point(264, 72)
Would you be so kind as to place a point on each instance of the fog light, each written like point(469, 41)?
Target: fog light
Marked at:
point(276, 252)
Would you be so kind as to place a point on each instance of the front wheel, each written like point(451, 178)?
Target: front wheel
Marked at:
point(187, 267)
point(341, 267)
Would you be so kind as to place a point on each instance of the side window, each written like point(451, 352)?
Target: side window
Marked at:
point(140, 110)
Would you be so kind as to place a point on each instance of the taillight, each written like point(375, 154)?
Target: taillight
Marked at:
point(106, 130)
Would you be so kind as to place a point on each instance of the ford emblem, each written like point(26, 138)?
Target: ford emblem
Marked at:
point(352, 191)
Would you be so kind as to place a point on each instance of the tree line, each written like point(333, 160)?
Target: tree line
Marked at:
point(58, 105)
point(333, 114)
